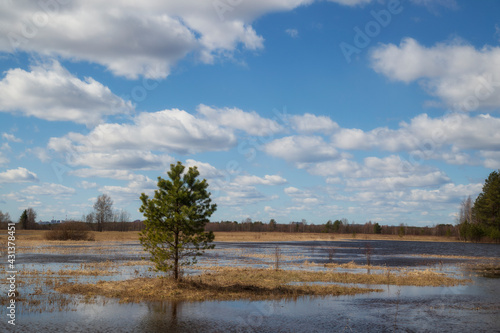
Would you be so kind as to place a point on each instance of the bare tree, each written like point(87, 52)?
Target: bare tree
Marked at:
point(4, 217)
point(465, 214)
point(31, 218)
point(123, 216)
point(103, 210)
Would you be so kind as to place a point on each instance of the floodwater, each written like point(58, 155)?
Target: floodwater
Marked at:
point(473, 307)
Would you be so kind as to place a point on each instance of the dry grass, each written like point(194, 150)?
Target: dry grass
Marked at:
point(86, 269)
point(119, 236)
point(487, 269)
point(223, 284)
point(230, 283)
point(453, 257)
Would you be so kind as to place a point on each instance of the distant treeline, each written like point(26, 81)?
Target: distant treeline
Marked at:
point(107, 226)
point(339, 226)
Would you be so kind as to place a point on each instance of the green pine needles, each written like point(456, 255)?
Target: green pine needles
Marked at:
point(174, 232)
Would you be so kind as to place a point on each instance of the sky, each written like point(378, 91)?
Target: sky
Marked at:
point(383, 111)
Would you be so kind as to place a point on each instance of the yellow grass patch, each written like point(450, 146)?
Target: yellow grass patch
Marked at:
point(230, 283)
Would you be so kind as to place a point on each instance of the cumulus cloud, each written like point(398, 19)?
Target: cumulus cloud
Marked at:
point(301, 149)
point(50, 92)
point(11, 137)
point(19, 175)
point(103, 173)
point(391, 183)
point(239, 195)
point(491, 159)
point(446, 137)
point(255, 180)
point(168, 130)
point(206, 169)
point(302, 197)
point(250, 122)
point(390, 173)
point(294, 33)
point(49, 189)
point(463, 77)
point(136, 39)
point(87, 185)
point(122, 159)
point(132, 190)
point(446, 193)
point(310, 123)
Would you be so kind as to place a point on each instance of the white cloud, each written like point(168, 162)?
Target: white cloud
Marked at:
point(87, 185)
point(132, 191)
point(19, 175)
point(49, 189)
point(310, 123)
point(169, 130)
point(294, 33)
point(3, 159)
point(445, 138)
point(206, 169)
point(463, 77)
point(239, 195)
point(102, 173)
point(122, 159)
point(491, 159)
point(447, 193)
point(342, 166)
point(41, 153)
point(250, 122)
point(10, 137)
point(301, 149)
point(302, 197)
point(145, 38)
point(50, 92)
point(391, 183)
point(255, 180)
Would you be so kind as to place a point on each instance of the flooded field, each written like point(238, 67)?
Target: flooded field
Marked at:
point(471, 306)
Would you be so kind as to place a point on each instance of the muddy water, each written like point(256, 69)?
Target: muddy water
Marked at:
point(470, 308)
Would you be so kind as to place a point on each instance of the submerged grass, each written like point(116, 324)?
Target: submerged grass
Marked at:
point(486, 269)
point(230, 283)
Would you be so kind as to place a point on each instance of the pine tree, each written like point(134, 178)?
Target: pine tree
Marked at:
point(487, 206)
point(174, 232)
point(23, 220)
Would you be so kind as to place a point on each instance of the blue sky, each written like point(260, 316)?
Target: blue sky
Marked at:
point(291, 109)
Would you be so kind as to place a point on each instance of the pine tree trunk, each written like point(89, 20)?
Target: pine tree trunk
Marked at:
point(176, 257)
